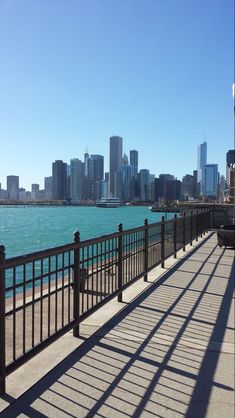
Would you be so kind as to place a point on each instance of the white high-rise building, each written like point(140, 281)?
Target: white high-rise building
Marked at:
point(201, 162)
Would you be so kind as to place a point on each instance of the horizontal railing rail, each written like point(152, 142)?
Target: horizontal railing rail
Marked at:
point(47, 293)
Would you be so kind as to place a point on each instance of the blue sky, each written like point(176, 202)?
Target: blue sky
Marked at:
point(159, 73)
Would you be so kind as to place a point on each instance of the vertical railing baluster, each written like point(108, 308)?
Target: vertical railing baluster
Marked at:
point(33, 305)
point(14, 313)
point(197, 225)
point(104, 267)
point(76, 283)
point(41, 301)
point(146, 240)
point(136, 261)
point(24, 310)
point(96, 272)
point(120, 251)
point(49, 298)
point(100, 267)
point(56, 292)
point(2, 322)
point(69, 282)
point(163, 242)
point(92, 277)
point(175, 235)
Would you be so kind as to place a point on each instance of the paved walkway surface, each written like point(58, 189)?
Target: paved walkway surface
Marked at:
point(169, 353)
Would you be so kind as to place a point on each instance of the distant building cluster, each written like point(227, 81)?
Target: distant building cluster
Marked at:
point(85, 181)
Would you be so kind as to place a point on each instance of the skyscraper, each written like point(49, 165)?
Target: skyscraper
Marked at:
point(161, 185)
point(134, 160)
point(86, 158)
point(211, 180)
point(187, 185)
point(125, 161)
point(98, 167)
point(13, 187)
point(144, 185)
point(94, 171)
point(59, 180)
point(48, 187)
point(119, 184)
point(35, 191)
point(195, 184)
point(128, 192)
point(115, 161)
point(201, 162)
point(75, 179)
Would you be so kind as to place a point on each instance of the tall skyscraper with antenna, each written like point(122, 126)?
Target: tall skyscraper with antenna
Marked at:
point(201, 163)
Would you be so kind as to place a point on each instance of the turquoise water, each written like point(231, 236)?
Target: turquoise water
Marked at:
point(28, 229)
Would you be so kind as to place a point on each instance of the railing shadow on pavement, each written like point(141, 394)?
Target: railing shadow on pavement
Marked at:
point(152, 355)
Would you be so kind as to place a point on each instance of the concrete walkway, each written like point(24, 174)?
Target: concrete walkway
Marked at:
point(168, 353)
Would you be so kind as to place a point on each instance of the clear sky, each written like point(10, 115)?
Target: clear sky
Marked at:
point(159, 73)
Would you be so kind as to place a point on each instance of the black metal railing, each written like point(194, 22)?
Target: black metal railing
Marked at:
point(47, 293)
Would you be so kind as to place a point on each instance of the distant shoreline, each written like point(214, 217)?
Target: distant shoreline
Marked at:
point(63, 204)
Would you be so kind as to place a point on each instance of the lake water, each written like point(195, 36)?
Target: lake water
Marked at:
point(28, 229)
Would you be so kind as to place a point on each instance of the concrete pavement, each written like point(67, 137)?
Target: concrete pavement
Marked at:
point(168, 350)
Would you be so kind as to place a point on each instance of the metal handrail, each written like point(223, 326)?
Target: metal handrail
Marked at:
point(112, 262)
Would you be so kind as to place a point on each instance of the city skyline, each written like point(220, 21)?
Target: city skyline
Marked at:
point(161, 80)
point(80, 158)
point(85, 181)
point(40, 180)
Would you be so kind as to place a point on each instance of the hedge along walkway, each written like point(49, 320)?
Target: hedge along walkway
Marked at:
point(169, 353)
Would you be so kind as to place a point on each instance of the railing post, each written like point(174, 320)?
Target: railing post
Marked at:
point(146, 249)
point(163, 242)
point(120, 255)
point(175, 238)
point(191, 228)
point(2, 322)
point(197, 225)
point(184, 232)
point(76, 283)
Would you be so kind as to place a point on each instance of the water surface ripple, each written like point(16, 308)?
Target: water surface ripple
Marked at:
point(27, 229)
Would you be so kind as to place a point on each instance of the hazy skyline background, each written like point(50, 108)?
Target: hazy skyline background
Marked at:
point(159, 73)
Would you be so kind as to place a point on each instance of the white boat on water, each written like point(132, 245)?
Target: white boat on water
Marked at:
point(108, 202)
